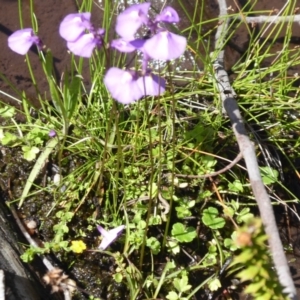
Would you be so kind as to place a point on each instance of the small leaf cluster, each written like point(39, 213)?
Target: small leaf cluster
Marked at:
point(30, 138)
point(254, 263)
point(181, 285)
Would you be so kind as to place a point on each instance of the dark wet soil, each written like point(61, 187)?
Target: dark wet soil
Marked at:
point(13, 67)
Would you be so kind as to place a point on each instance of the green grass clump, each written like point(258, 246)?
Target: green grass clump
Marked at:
point(112, 164)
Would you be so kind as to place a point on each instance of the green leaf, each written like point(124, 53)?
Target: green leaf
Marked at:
point(183, 234)
point(266, 296)
point(37, 167)
point(249, 273)
point(172, 296)
point(228, 211)
point(182, 212)
point(210, 218)
point(214, 284)
point(263, 272)
point(209, 260)
point(269, 175)
point(236, 186)
point(244, 215)
point(9, 139)
point(37, 135)
point(191, 203)
point(28, 255)
point(235, 205)
point(7, 112)
point(170, 265)
point(48, 66)
point(200, 133)
point(142, 224)
point(153, 244)
point(118, 277)
point(244, 257)
point(173, 246)
point(155, 220)
point(72, 94)
point(208, 161)
point(181, 285)
point(30, 152)
point(229, 244)
point(253, 288)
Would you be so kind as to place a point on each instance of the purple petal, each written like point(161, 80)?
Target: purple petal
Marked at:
point(117, 231)
point(138, 44)
point(73, 25)
point(102, 230)
point(128, 46)
point(109, 236)
point(84, 45)
point(52, 133)
point(100, 31)
point(122, 45)
point(152, 85)
point(123, 85)
point(165, 46)
point(21, 40)
point(131, 19)
point(168, 15)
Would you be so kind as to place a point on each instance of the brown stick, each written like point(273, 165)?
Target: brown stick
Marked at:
point(228, 97)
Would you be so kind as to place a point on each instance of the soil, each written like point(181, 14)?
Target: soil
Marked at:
point(49, 14)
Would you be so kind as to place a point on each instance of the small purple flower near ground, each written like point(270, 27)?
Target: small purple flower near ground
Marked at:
point(21, 41)
point(52, 133)
point(109, 236)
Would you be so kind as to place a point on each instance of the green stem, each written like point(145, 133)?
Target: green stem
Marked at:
point(142, 253)
point(174, 142)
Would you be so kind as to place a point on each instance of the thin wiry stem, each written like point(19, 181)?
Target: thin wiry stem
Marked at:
point(272, 19)
point(228, 98)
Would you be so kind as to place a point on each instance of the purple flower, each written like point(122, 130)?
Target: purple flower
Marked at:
point(84, 45)
point(123, 85)
point(127, 87)
point(122, 45)
point(168, 15)
point(52, 133)
point(151, 85)
point(131, 19)
point(165, 45)
point(109, 236)
point(128, 46)
point(80, 34)
point(74, 25)
point(21, 41)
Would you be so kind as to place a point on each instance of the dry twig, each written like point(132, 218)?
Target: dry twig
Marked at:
point(228, 97)
point(62, 283)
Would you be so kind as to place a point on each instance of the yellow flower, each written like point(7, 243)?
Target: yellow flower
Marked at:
point(78, 246)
